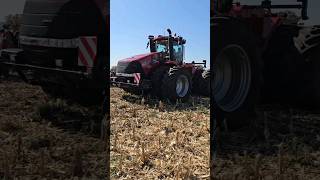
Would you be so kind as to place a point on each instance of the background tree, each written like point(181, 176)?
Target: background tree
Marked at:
point(14, 21)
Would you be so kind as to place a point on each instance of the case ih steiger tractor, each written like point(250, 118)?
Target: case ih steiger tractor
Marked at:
point(262, 55)
point(63, 46)
point(163, 72)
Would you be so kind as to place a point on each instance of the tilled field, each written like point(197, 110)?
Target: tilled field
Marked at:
point(41, 137)
point(45, 137)
point(284, 144)
point(156, 140)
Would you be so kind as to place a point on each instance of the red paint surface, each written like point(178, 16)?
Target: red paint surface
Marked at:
point(138, 57)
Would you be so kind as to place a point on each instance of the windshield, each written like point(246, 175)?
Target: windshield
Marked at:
point(178, 52)
point(161, 46)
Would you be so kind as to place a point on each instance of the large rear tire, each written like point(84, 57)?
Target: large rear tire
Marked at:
point(237, 70)
point(196, 82)
point(282, 62)
point(176, 85)
point(201, 83)
point(308, 44)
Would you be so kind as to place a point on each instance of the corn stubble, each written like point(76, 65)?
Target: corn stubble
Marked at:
point(31, 147)
point(152, 139)
point(287, 148)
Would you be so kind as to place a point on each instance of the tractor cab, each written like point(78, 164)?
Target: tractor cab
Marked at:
point(170, 47)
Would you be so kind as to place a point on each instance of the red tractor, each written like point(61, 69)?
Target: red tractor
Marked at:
point(259, 55)
point(163, 72)
point(262, 55)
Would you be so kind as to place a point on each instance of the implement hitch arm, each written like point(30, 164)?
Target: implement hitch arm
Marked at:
point(204, 62)
point(303, 5)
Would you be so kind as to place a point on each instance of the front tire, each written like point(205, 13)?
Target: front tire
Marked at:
point(176, 84)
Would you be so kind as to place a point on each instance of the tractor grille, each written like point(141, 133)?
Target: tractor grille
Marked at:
point(121, 67)
point(43, 56)
point(132, 67)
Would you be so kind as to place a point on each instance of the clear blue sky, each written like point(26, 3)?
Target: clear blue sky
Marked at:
point(132, 21)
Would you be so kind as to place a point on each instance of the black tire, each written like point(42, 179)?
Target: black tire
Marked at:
point(197, 80)
point(169, 85)
point(201, 83)
point(291, 71)
point(156, 80)
point(308, 83)
point(235, 95)
point(312, 92)
point(205, 83)
point(282, 61)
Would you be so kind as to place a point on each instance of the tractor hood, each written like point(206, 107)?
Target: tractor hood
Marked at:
point(136, 64)
point(137, 58)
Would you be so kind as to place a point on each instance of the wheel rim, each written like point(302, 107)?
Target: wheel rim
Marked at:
point(232, 78)
point(182, 86)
